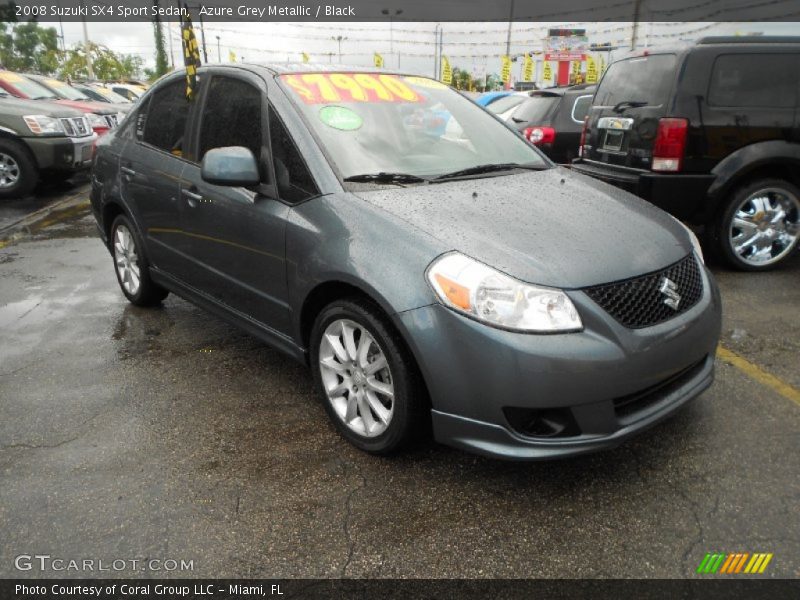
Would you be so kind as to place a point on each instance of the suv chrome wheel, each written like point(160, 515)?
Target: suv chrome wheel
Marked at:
point(9, 171)
point(765, 227)
point(126, 259)
point(356, 377)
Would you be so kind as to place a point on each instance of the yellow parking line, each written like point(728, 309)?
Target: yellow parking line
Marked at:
point(58, 217)
point(758, 374)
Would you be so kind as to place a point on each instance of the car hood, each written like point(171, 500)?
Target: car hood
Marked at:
point(554, 227)
point(98, 108)
point(19, 107)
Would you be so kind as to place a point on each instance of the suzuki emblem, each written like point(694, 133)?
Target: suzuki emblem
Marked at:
point(670, 289)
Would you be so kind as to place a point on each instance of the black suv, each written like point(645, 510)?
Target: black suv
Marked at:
point(710, 133)
point(552, 119)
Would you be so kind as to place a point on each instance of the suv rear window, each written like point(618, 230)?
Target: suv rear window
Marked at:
point(641, 79)
point(754, 80)
point(536, 109)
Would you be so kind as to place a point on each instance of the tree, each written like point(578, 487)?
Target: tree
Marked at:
point(29, 47)
point(162, 65)
point(106, 63)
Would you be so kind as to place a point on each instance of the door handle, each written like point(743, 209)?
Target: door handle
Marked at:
point(192, 197)
point(127, 171)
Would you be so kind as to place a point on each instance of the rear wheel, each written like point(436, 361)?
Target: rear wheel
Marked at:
point(131, 266)
point(19, 174)
point(760, 226)
point(368, 381)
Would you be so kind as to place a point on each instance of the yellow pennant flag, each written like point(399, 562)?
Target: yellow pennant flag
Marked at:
point(191, 54)
point(527, 68)
point(506, 70)
point(231, 56)
point(591, 69)
point(547, 72)
point(306, 57)
point(576, 71)
point(447, 72)
point(378, 60)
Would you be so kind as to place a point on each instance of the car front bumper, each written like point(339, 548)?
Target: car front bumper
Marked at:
point(63, 153)
point(684, 195)
point(607, 381)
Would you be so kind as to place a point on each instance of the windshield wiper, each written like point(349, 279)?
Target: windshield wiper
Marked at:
point(479, 169)
point(620, 106)
point(384, 177)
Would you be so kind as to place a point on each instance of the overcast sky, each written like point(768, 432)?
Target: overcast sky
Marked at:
point(472, 46)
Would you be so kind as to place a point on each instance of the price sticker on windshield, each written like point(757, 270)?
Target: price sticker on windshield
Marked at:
point(329, 88)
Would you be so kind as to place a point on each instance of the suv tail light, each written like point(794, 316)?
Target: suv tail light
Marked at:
point(670, 145)
point(540, 135)
point(581, 152)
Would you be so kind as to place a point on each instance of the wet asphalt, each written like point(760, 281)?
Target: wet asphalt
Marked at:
point(130, 433)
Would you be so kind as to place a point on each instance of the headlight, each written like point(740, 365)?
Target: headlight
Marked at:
point(97, 121)
point(42, 125)
point(489, 296)
point(695, 242)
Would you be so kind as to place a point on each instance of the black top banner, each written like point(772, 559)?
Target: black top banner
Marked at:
point(407, 10)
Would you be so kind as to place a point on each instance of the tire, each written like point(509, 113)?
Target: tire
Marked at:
point(765, 212)
point(19, 174)
point(131, 267)
point(400, 375)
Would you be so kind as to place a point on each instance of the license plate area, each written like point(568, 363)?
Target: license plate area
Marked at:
point(86, 153)
point(613, 140)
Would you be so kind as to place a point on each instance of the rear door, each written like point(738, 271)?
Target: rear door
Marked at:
point(623, 120)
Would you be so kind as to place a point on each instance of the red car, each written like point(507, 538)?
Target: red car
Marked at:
point(101, 118)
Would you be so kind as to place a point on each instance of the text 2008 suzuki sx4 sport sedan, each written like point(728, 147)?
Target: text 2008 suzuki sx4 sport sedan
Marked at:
point(426, 261)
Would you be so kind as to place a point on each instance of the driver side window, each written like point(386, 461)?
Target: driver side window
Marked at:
point(232, 117)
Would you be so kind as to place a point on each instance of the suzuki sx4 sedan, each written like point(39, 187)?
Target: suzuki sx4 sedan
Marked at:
point(432, 267)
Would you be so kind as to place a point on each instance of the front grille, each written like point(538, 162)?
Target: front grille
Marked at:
point(76, 126)
point(111, 120)
point(640, 302)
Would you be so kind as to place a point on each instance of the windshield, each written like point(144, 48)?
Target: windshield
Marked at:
point(380, 123)
point(27, 87)
point(64, 90)
point(505, 103)
point(641, 79)
point(536, 110)
point(104, 95)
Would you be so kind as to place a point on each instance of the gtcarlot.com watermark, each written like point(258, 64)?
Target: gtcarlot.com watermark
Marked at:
point(45, 563)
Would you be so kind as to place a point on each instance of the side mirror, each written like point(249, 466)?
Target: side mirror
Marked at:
point(234, 166)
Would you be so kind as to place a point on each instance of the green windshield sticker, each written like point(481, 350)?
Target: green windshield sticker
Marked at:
point(340, 117)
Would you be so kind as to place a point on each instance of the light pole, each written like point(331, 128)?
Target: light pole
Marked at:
point(437, 51)
point(392, 15)
point(219, 51)
point(340, 39)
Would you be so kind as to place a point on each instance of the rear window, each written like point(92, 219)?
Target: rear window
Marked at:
point(754, 80)
point(536, 109)
point(505, 103)
point(641, 79)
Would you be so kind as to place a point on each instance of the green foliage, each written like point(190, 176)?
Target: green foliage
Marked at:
point(105, 63)
point(162, 64)
point(28, 47)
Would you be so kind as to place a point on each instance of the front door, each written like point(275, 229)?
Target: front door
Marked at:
point(233, 237)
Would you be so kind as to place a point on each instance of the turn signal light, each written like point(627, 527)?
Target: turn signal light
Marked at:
point(670, 145)
point(583, 137)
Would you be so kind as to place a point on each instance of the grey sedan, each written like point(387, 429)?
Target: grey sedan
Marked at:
point(431, 266)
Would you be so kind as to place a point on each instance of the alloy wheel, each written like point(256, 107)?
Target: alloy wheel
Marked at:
point(765, 226)
point(9, 171)
point(356, 377)
point(126, 260)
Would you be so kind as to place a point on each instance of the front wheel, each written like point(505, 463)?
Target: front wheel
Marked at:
point(131, 266)
point(19, 174)
point(760, 226)
point(368, 381)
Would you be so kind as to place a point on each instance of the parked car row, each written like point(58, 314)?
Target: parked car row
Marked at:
point(709, 132)
point(48, 127)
